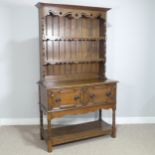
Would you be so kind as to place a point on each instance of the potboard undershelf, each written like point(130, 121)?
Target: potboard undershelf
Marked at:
point(65, 134)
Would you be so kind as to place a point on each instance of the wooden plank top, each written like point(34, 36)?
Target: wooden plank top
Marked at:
point(49, 84)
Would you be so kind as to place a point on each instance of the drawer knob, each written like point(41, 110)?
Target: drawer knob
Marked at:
point(108, 94)
point(93, 96)
point(58, 100)
point(76, 97)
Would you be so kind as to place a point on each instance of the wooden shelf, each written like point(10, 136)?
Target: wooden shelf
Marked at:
point(71, 133)
point(53, 62)
point(57, 38)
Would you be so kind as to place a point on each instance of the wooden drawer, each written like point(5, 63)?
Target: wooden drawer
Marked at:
point(65, 98)
point(101, 94)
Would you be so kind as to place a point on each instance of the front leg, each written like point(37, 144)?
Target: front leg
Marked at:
point(49, 142)
point(100, 114)
point(113, 123)
point(41, 123)
point(41, 115)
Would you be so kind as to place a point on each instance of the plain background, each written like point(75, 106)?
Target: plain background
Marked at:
point(130, 56)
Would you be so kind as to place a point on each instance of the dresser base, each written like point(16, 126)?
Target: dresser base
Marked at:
point(105, 98)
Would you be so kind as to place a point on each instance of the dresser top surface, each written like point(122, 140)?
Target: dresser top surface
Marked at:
point(50, 84)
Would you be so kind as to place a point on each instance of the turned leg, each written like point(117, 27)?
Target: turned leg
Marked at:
point(41, 123)
point(49, 142)
point(41, 116)
point(113, 124)
point(100, 114)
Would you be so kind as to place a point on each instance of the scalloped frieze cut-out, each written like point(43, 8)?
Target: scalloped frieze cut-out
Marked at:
point(74, 13)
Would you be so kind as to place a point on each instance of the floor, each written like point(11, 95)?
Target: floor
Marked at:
point(131, 140)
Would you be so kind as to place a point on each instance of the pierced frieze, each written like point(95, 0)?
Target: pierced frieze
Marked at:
point(76, 14)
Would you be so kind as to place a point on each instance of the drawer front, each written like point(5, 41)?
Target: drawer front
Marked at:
point(64, 98)
point(101, 94)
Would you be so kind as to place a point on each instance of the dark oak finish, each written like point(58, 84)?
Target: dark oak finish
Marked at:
point(72, 71)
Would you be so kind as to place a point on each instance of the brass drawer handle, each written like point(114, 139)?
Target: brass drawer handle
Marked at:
point(76, 97)
point(57, 100)
point(93, 96)
point(108, 94)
